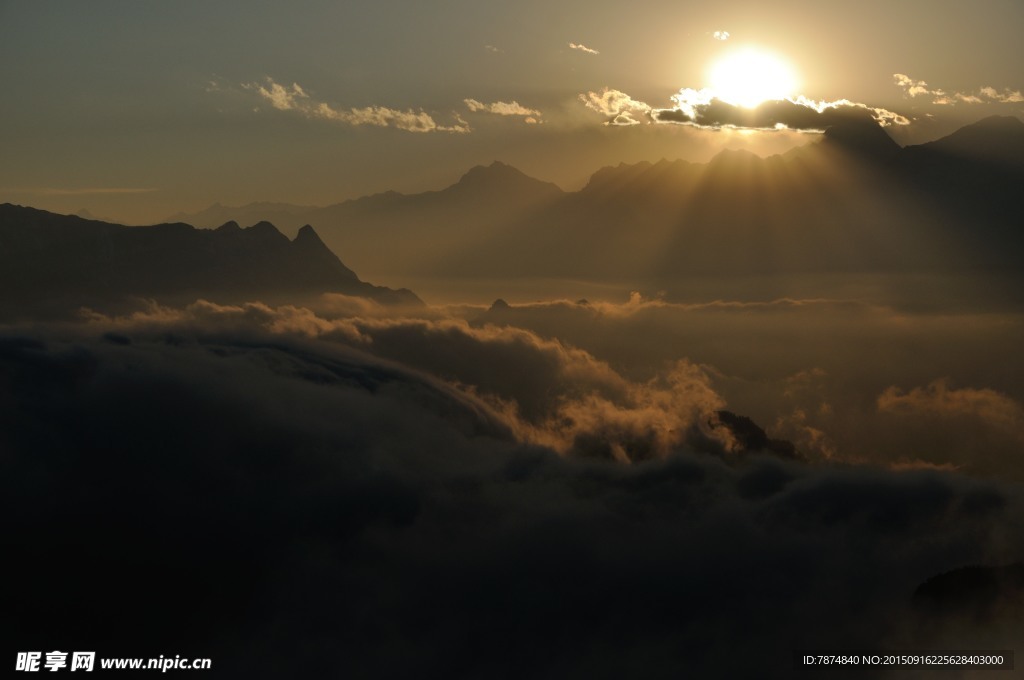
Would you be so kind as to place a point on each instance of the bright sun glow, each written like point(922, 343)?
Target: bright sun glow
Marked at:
point(751, 76)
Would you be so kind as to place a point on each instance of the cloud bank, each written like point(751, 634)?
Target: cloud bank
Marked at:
point(544, 392)
point(798, 368)
point(320, 506)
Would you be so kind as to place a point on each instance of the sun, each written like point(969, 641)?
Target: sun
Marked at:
point(750, 76)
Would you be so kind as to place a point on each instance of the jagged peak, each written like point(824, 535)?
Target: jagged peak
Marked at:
point(307, 236)
point(611, 172)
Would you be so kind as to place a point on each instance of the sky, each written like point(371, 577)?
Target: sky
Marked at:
point(136, 111)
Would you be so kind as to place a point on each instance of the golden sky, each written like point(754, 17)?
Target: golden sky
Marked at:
point(137, 111)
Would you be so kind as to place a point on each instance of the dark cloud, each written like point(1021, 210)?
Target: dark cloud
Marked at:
point(702, 108)
point(671, 116)
point(294, 506)
point(795, 115)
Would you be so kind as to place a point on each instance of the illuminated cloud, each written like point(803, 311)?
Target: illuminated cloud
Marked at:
point(720, 35)
point(543, 391)
point(976, 428)
point(1007, 96)
point(984, 95)
point(940, 400)
point(583, 48)
point(957, 97)
point(883, 117)
point(279, 96)
point(296, 99)
point(912, 87)
point(512, 108)
point(619, 107)
point(702, 108)
point(492, 48)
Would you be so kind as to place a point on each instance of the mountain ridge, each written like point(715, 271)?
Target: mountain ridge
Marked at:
point(63, 262)
point(854, 202)
point(844, 134)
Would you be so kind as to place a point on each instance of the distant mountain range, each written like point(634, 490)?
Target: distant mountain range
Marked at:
point(853, 202)
point(410, 234)
point(51, 264)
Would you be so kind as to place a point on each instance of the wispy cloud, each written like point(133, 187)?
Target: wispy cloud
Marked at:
point(583, 48)
point(940, 399)
point(720, 35)
point(983, 95)
point(1007, 96)
point(294, 98)
point(512, 108)
point(492, 48)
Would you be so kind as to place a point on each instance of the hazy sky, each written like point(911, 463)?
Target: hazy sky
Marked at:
point(136, 110)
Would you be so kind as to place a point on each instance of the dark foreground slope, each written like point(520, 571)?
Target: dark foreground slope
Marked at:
point(52, 264)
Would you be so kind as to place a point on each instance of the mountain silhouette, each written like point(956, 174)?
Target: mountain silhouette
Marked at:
point(52, 264)
point(861, 137)
point(996, 139)
point(853, 204)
